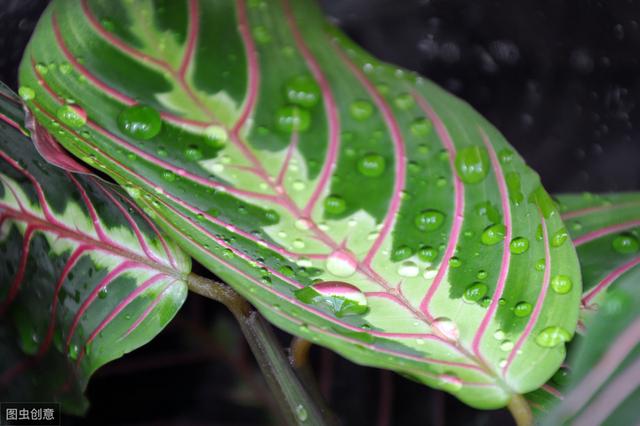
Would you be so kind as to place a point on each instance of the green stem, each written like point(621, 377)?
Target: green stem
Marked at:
point(295, 403)
point(520, 411)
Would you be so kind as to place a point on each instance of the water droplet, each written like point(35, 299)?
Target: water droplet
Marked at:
point(102, 294)
point(552, 336)
point(499, 335)
point(449, 383)
point(301, 413)
point(540, 265)
point(404, 101)
point(401, 253)
point(302, 90)
point(561, 284)
point(455, 262)
point(447, 328)
point(429, 220)
point(543, 200)
point(26, 93)
point(519, 245)
point(341, 263)
point(482, 274)
point(216, 135)
point(292, 118)
point(625, 244)
point(72, 115)
point(522, 309)
point(361, 110)
point(493, 234)
point(427, 254)
point(140, 122)
point(475, 292)
point(421, 127)
point(506, 345)
point(472, 164)
point(371, 165)
point(513, 184)
point(193, 153)
point(408, 269)
point(559, 238)
point(261, 35)
point(74, 351)
point(339, 297)
point(334, 204)
point(505, 155)
point(302, 224)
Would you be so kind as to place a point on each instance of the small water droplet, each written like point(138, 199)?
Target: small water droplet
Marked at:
point(427, 254)
point(447, 328)
point(140, 122)
point(302, 90)
point(401, 253)
point(404, 101)
point(625, 244)
point(72, 115)
point(519, 245)
point(559, 238)
point(506, 345)
point(292, 118)
point(26, 93)
point(408, 269)
point(429, 220)
point(552, 336)
point(561, 284)
point(361, 110)
point(193, 153)
point(421, 127)
point(449, 382)
point(472, 164)
point(482, 274)
point(341, 263)
point(371, 165)
point(522, 309)
point(301, 413)
point(335, 204)
point(493, 234)
point(216, 135)
point(499, 335)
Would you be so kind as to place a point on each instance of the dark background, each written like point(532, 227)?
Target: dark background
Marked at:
point(559, 78)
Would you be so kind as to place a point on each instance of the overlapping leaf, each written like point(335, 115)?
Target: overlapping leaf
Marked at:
point(355, 204)
point(605, 230)
point(85, 276)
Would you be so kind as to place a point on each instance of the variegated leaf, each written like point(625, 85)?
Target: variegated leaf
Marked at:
point(354, 203)
point(85, 276)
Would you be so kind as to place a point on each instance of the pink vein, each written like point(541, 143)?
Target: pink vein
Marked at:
point(149, 309)
point(11, 123)
point(605, 231)
point(285, 166)
point(506, 254)
point(458, 188)
point(539, 303)
point(119, 308)
point(602, 371)
point(399, 151)
point(108, 279)
point(194, 28)
point(331, 110)
point(610, 278)
point(589, 210)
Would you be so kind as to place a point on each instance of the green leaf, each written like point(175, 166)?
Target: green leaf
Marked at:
point(85, 276)
point(283, 157)
point(605, 230)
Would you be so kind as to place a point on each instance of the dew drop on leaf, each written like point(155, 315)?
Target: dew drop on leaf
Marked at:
point(499, 335)
point(540, 265)
point(404, 101)
point(482, 274)
point(475, 292)
point(302, 90)
point(561, 284)
point(193, 153)
point(301, 413)
point(339, 297)
point(361, 110)
point(292, 118)
point(559, 238)
point(216, 135)
point(427, 253)
point(625, 244)
point(506, 345)
point(74, 350)
point(401, 253)
point(341, 264)
point(26, 93)
point(449, 382)
point(429, 220)
point(140, 122)
point(371, 165)
point(493, 234)
point(408, 269)
point(552, 336)
point(522, 309)
point(472, 164)
point(519, 245)
point(447, 328)
point(421, 127)
point(72, 115)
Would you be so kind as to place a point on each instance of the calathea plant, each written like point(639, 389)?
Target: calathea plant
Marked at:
point(354, 204)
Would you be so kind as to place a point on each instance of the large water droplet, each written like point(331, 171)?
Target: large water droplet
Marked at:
point(429, 220)
point(341, 263)
point(26, 93)
point(339, 297)
point(475, 292)
point(561, 284)
point(625, 244)
point(361, 110)
point(558, 238)
point(371, 165)
point(216, 135)
point(472, 164)
point(447, 328)
point(493, 234)
point(292, 118)
point(72, 115)
point(519, 245)
point(140, 122)
point(302, 90)
point(552, 336)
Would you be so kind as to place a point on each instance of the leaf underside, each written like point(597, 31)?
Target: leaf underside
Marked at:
point(85, 276)
point(598, 384)
point(347, 199)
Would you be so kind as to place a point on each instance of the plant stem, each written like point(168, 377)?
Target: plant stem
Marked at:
point(520, 411)
point(296, 405)
point(300, 352)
